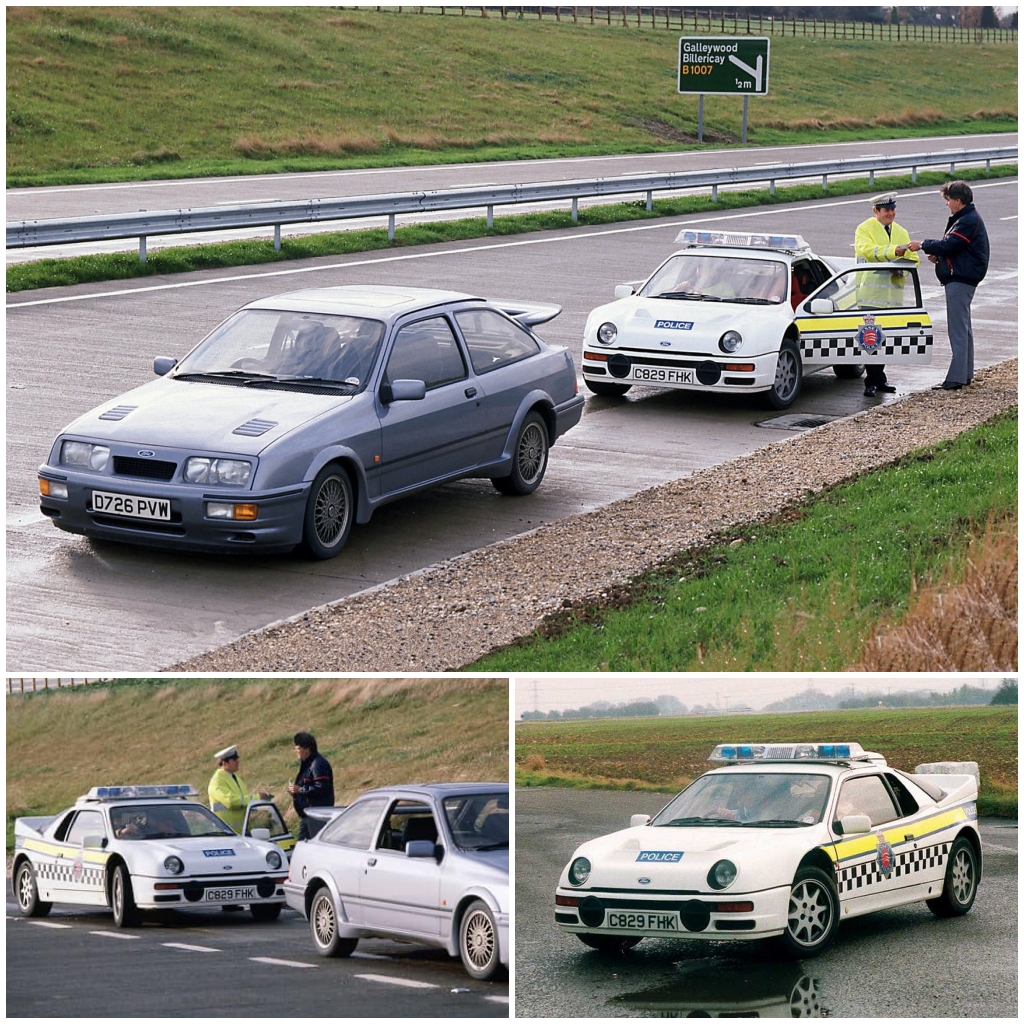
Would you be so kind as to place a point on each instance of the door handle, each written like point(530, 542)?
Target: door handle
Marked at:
point(471, 392)
point(371, 861)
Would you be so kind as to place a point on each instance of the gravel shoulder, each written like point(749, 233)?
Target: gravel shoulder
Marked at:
point(448, 615)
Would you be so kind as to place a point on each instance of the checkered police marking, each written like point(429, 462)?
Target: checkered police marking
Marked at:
point(864, 876)
point(66, 870)
point(831, 348)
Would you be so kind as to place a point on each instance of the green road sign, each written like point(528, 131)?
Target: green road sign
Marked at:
point(724, 65)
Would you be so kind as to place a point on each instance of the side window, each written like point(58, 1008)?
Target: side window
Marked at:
point(355, 827)
point(868, 288)
point(493, 340)
point(867, 795)
point(61, 831)
point(908, 805)
point(86, 823)
point(406, 820)
point(426, 351)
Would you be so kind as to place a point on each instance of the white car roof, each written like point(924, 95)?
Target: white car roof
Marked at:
point(377, 301)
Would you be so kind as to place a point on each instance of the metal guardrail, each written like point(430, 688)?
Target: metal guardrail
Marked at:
point(22, 234)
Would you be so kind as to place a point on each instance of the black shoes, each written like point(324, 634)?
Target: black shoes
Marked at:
point(889, 389)
point(869, 391)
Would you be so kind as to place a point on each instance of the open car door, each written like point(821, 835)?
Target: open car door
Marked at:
point(264, 814)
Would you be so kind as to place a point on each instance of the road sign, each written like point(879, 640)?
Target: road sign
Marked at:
point(724, 65)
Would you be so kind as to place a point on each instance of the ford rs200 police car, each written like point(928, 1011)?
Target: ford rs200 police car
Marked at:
point(735, 313)
point(783, 840)
point(134, 848)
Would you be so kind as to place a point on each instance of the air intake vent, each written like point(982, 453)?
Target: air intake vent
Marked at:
point(152, 470)
point(254, 428)
point(118, 412)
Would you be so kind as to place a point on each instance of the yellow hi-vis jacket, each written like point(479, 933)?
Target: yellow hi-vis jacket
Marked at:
point(872, 245)
point(229, 797)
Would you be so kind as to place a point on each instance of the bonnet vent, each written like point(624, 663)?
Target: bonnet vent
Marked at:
point(254, 428)
point(118, 412)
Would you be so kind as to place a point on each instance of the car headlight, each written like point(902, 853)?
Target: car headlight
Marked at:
point(201, 470)
point(607, 333)
point(579, 870)
point(174, 865)
point(84, 455)
point(722, 874)
point(730, 341)
point(273, 860)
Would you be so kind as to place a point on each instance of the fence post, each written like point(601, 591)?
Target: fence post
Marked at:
point(714, 193)
point(277, 238)
point(913, 175)
point(142, 248)
point(650, 200)
point(824, 183)
point(490, 216)
point(391, 227)
point(575, 209)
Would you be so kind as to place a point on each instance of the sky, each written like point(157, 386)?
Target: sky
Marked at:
point(727, 691)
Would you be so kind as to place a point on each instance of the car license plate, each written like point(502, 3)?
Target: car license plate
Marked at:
point(661, 375)
point(130, 505)
point(237, 894)
point(642, 921)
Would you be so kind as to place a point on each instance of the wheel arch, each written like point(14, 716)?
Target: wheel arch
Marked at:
point(465, 900)
point(818, 858)
point(113, 861)
point(325, 881)
point(536, 401)
point(972, 836)
point(353, 466)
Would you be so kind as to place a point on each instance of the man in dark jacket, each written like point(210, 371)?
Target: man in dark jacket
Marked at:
point(314, 785)
point(961, 261)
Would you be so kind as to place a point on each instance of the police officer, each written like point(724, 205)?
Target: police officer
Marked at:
point(229, 795)
point(879, 239)
point(314, 784)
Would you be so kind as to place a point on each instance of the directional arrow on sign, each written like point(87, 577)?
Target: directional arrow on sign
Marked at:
point(754, 72)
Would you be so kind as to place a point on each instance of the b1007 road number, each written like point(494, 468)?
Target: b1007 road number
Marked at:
point(647, 921)
point(130, 505)
point(661, 375)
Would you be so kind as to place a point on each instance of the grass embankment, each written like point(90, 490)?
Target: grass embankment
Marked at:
point(131, 93)
point(809, 590)
point(48, 273)
point(374, 732)
point(665, 754)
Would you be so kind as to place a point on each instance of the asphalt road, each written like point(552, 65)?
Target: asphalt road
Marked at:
point(75, 963)
point(101, 607)
point(64, 201)
point(893, 964)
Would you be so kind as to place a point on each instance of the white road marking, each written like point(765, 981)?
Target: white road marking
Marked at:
point(582, 236)
point(401, 982)
point(49, 924)
point(279, 963)
point(115, 935)
point(190, 949)
point(996, 846)
point(1014, 217)
point(496, 999)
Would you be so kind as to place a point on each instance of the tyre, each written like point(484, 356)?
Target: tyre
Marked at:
point(265, 911)
point(478, 942)
point(122, 899)
point(27, 892)
point(960, 885)
point(813, 913)
point(329, 513)
point(529, 460)
point(788, 376)
point(848, 371)
point(323, 926)
point(609, 943)
point(606, 389)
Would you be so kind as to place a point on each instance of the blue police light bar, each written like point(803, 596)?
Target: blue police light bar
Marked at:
point(734, 753)
point(742, 239)
point(143, 792)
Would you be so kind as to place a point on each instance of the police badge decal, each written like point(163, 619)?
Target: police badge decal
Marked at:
point(870, 336)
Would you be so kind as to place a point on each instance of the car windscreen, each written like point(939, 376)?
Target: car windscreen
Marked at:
point(478, 821)
point(290, 346)
point(760, 799)
point(696, 277)
point(165, 821)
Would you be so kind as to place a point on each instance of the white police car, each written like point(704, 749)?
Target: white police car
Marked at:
point(783, 840)
point(134, 848)
point(734, 313)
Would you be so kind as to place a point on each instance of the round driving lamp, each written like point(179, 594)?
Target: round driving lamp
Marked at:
point(730, 341)
point(722, 874)
point(607, 333)
point(579, 870)
point(174, 865)
point(273, 860)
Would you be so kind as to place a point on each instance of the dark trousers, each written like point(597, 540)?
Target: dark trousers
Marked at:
point(874, 375)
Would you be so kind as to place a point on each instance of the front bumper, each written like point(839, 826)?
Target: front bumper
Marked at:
point(681, 916)
point(199, 893)
point(278, 526)
point(718, 372)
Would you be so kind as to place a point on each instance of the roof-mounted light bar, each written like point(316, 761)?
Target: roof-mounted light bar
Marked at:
point(741, 239)
point(143, 792)
point(731, 753)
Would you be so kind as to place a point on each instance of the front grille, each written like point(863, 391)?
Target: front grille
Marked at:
point(149, 468)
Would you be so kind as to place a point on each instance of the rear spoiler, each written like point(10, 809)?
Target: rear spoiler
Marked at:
point(31, 828)
point(948, 782)
point(529, 314)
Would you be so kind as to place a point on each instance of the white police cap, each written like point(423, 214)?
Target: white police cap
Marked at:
point(885, 200)
point(226, 753)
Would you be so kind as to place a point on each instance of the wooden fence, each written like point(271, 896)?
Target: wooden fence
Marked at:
point(34, 684)
point(720, 22)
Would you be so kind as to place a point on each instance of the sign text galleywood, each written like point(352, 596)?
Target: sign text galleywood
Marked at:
point(724, 65)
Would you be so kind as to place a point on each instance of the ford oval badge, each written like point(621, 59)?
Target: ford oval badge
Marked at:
point(644, 881)
point(146, 454)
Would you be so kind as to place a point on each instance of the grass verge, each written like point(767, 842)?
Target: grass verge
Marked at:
point(48, 273)
point(666, 754)
point(805, 591)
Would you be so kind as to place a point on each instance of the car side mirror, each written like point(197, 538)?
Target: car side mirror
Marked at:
point(164, 364)
point(420, 848)
point(403, 391)
point(639, 819)
point(623, 291)
point(261, 833)
point(94, 842)
point(820, 306)
point(855, 824)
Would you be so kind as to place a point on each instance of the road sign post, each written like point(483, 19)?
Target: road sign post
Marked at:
point(723, 66)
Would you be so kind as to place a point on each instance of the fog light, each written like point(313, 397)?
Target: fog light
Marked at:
point(52, 489)
point(230, 510)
